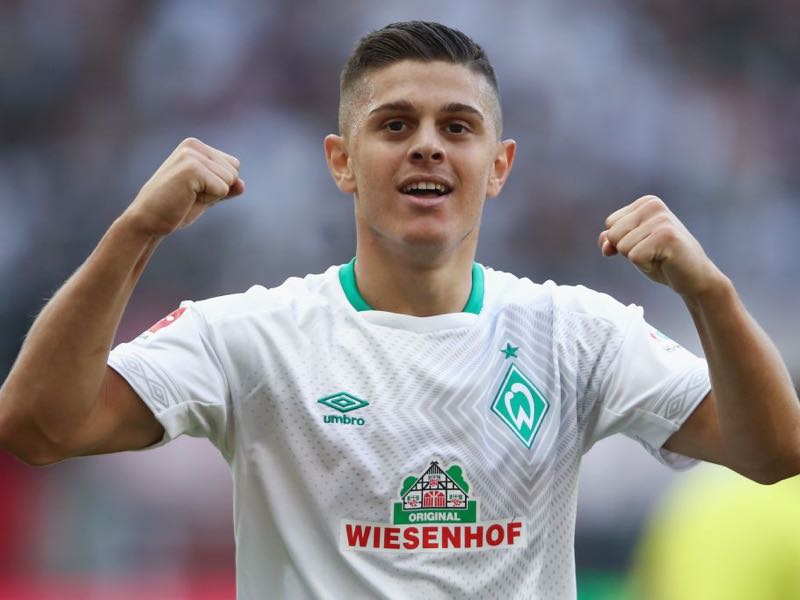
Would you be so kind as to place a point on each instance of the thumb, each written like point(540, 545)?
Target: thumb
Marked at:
point(606, 247)
point(237, 189)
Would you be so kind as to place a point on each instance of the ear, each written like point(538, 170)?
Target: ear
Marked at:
point(339, 163)
point(503, 161)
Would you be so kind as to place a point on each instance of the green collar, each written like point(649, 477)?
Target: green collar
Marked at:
point(347, 277)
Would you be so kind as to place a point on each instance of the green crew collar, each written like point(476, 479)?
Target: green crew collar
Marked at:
point(347, 277)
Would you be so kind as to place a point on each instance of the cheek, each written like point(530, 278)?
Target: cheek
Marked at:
point(373, 168)
point(374, 185)
point(476, 170)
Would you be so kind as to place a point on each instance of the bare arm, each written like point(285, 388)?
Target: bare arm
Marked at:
point(60, 398)
point(750, 421)
point(752, 415)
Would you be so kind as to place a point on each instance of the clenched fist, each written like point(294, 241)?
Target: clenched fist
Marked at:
point(652, 238)
point(194, 177)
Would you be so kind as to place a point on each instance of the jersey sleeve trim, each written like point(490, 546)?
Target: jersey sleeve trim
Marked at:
point(644, 408)
point(167, 373)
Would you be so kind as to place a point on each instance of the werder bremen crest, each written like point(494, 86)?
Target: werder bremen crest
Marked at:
point(435, 514)
point(520, 405)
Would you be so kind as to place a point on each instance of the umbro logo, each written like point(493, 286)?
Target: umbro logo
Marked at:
point(344, 403)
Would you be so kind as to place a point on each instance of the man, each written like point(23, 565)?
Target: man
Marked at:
point(412, 422)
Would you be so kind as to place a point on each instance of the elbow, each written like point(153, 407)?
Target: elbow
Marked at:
point(29, 454)
point(33, 460)
point(776, 462)
point(789, 466)
point(777, 471)
point(792, 469)
point(33, 455)
point(773, 478)
point(25, 445)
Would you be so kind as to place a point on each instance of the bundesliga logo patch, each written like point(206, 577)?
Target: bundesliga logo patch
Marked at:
point(166, 321)
point(667, 343)
point(435, 514)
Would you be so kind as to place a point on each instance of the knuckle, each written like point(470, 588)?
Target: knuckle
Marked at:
point(225, 174)
point(664, 220)
point(667, 234)
point(228, 167)
point(654, 202)
point(638, 257)
point(190, 142)
point(187, 154)
point(195, 160)
point(191, 166)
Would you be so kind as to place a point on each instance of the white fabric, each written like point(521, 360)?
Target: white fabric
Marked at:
point(248, 371)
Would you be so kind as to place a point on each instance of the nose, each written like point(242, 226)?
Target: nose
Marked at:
point(426, 146)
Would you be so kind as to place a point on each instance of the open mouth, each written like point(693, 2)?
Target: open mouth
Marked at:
point(426, 189)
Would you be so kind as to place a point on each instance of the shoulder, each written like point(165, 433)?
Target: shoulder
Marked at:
point(507, 291)
point(295, 298)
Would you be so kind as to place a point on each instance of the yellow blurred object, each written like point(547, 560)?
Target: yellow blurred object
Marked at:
point(720, 536)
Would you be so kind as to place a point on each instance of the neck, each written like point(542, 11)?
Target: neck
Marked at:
point(401, 285)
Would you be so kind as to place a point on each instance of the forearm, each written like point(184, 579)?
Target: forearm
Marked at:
point(55, 381)
point(757, 407)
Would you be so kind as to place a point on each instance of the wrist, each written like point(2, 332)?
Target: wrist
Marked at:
point(132, 226)
point(717, 292)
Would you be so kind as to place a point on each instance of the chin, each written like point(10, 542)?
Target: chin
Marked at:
point(427, 237)
point(423, 241)
point(427, 245)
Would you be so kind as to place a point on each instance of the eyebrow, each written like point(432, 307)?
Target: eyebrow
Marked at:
point(406, 106)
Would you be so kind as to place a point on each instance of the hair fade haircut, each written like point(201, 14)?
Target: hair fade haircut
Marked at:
point(412, 40)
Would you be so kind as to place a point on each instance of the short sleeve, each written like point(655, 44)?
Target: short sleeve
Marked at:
point(652, 386)
point(175, 370)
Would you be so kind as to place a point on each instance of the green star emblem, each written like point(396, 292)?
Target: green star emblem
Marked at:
point(510, 351)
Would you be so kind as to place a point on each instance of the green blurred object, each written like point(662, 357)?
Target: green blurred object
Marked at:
point(602, 585)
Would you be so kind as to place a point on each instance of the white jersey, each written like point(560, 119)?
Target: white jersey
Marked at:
point(385, 455)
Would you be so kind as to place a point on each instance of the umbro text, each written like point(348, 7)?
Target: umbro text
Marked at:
point(344, 420)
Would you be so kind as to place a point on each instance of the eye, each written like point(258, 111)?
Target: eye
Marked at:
point(395, 126)
point(456, 128)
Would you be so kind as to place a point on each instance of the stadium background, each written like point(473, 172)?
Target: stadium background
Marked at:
point(696, 102)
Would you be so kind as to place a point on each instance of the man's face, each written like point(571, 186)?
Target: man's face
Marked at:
point(420, 156)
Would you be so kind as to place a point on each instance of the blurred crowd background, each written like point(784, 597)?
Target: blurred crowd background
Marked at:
point(698, 102)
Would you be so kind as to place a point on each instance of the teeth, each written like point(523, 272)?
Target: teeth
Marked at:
point(425, 185)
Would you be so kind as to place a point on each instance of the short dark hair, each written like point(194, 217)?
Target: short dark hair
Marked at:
point(412, 40)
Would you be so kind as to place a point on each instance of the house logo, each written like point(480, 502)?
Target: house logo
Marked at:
point(520, 405)
point(344, 403)
point(435, 514)
point(436, 495)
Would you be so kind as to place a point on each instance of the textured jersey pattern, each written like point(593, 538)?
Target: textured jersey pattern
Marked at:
point(249, 370)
